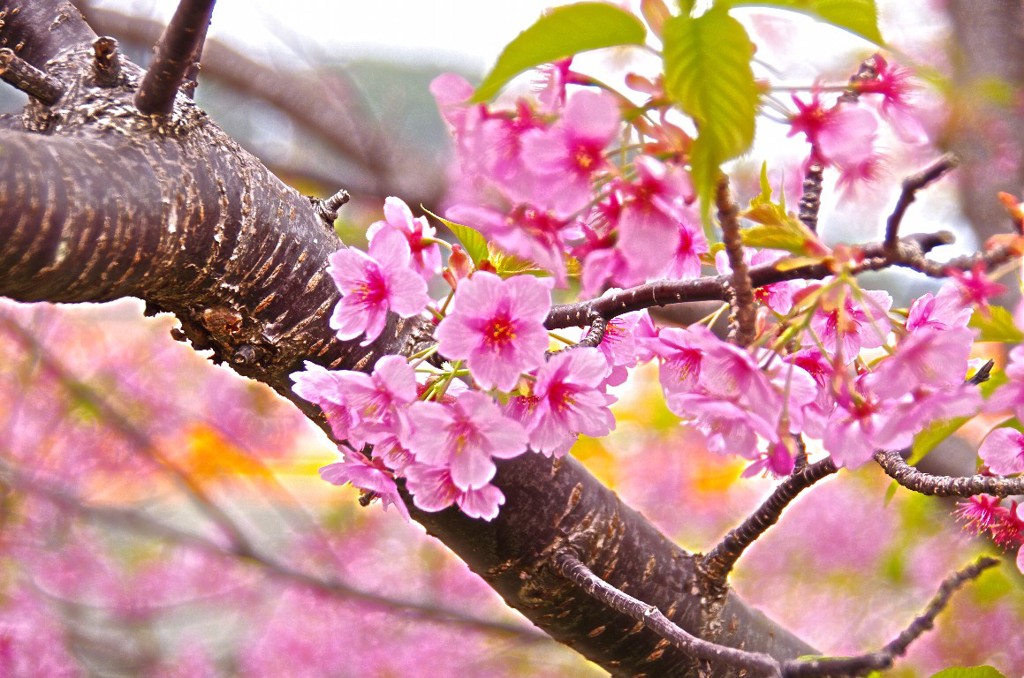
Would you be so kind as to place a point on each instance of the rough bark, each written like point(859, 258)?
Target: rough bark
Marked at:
point(98, 201)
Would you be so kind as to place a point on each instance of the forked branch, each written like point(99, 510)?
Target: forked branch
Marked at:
point(756, 663)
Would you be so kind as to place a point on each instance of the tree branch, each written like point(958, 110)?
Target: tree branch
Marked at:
point(649, 616)
point(945, 486)
point(911, 185)
point(24, 76)
point(665, 292)
point(175, 53)
point(886, 657)
point(744, 315)
point(718, 563)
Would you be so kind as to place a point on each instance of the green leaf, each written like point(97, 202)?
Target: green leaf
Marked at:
point(860, 17)
point(890, 492)
point(998, 325)
point(560, 33)
point(708, 74)
point(933, 434)
point(969, 672)
point(507, 265)
point(472, 240)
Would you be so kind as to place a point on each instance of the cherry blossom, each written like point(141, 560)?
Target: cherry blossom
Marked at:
point(433, 490)
point(497, 326)
point(1003, 451)
point(652, 224)
point(567, 401)
point(564, 157)
point(845, 325)
point(321, 386)
point(426, 255)
point(373, 284)
point(369, 475)
point(463, 436)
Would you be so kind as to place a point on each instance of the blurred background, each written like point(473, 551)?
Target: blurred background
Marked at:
point(161, 516)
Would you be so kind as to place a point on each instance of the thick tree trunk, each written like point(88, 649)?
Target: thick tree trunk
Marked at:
point(98, 202)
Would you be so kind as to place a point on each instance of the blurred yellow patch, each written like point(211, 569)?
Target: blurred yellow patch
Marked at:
point(208, 457)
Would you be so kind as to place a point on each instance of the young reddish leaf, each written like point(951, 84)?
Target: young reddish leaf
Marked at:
point(560, 33)
point(860, 17)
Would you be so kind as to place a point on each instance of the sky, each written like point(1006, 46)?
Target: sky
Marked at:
point(468, 35)
point(464, 33)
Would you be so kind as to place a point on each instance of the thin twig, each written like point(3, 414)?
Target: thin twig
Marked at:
point(145, 525)
point(327, 208)
point(886, 657)
point(175, 51)
point(570, 567)
point(744, 313)
point(595, 334)
point(945, 486)
point(911, 185)
point(666, 292)
point(810, 201)
point(718, 563)
point(22, 75)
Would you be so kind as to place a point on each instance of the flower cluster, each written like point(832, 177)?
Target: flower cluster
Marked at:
point(544, 184)
point(540, 184)
point(414, 420)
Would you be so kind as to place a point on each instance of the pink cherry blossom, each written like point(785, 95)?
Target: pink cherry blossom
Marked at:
point(719, 388)
point(322, 387)
point(366, 474)
point(944, 310)
point(681, 352)
point(1003, 451)
point(376, 401)
point(373, 284)
point(777, 462)
point(847, 327)
point(975, 286)
point(895, 84)
point(565, 157)
point(463, 436)
point(497, 326)
point(843, 134)
point(426, 256)
point(619, 345)
point(653, 230)
point(979, 512)
point(567, 401)
point(928, 357)
point(433, 490)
